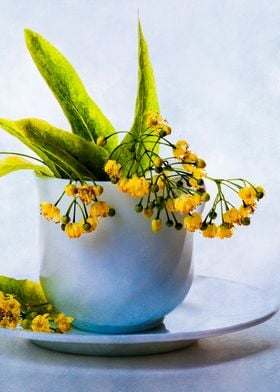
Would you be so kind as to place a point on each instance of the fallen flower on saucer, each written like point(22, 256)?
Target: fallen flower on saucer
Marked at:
point(23, 304)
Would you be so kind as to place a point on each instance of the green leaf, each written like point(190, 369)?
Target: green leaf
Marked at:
point(13, 163)
point(25, 290)
point(75, 156)
point(146, 102)
point(85, 117)
point(11, 128)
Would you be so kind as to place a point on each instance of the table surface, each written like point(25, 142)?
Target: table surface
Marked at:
point(217, 69)
point(244, 361)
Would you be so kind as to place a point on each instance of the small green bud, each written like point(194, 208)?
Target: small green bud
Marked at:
point(162, 133)
point(112, 212)
point(158, 169)
point(62, 227)
point(179, 183)
point(213, 214)
point(178, 226)
point(200, 181)
point(203, 226)
point(87, 226)
point(26, 324)
point(200, 163)
point(138, 208)
point(114, 180)
point(260, 195)
point(159, 201)
point(169, 223)
point(49, 308)
point(246, 221)
point(151, 205)
point(31, 315)
point(154, 187)
point(205, 197)
point(65, 219)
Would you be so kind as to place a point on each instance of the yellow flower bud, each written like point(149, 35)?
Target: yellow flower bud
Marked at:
point(210, 231)
point(181, 150)
point(224, 232)
point(148, 213)
point(41, 323)
point(73, 230)
point(200, 163)
point(138, 186)
point(85, 193)
point(123, 184)
point(157, 161)
point(101, 141)
point(192, 222)
point(50, 211)
point(156, 225)
point(99, 209)
point(97, 190)
point(112, 168)
point(170, 205)
point(232, 216)
point(248, 195)
point(70, 190)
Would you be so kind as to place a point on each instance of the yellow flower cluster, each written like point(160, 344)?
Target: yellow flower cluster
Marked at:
point(181, 150)
point(86, 193)
point(251, 195)
point(222, 231)
point(44, 323)
point(158, 124)
point(50, 211)
point(91, 209)
point(112, 168)
point(235, 216)
point(161, 189)
point(192, 222)
point(10, 313)
point(97, 209)
point(191, 163)
point(172, 187)
point(184, 204)
point(41, 323)
point(135, 186)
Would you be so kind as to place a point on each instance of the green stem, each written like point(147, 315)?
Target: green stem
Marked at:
point(21, 155)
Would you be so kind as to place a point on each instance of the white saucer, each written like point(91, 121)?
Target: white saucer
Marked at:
point(213, 307)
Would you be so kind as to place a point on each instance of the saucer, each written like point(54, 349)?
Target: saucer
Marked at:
point(212, 307)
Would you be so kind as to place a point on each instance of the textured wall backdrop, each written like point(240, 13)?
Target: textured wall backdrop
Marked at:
point(217, 66)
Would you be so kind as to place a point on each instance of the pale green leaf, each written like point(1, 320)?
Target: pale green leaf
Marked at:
point(85, 117)
point(73, 155)
point(14, 163)
point(13, 130)
point(27, 291)
point(146, 102)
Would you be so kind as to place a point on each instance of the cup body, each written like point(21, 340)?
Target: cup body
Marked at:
point(121, 278)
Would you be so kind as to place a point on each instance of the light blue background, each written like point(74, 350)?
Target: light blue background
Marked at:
point(217, 67)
